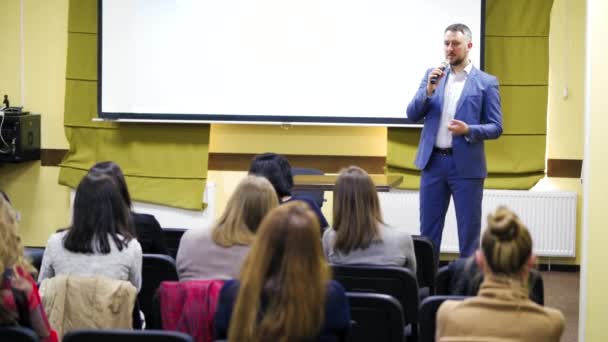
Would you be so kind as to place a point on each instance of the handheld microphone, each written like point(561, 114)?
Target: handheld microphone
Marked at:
point(444, 65)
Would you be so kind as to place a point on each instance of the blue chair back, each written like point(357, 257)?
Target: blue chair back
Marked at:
point(156, 268)
point(375, 317)
point(119, 335)
point(18, 334)
point(426, 262)
point(428, 316)
point(172, 238)
point(398, 282)
point(34, 254)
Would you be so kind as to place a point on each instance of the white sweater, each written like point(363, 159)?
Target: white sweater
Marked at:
point(120, 265)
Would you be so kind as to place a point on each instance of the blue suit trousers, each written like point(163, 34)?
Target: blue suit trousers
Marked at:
point(439, 182)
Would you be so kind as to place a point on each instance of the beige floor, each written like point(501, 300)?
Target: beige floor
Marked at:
point(562, 292)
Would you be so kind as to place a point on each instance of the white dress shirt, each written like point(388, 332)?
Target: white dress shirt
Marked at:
point(453, 90)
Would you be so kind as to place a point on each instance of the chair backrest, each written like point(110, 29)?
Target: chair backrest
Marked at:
point(172, 238)
point(34, 254)
point(18, 334)
point(426, 262)
point(537, 288)
point(447, 283)
point(398, 282)
point(428, 316)
point(156, 268)
point(316, 196)
point(443, 279)
point(116, 335)
point(375, 317)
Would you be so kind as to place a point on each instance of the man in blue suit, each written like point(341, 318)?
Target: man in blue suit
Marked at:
point(460, 105)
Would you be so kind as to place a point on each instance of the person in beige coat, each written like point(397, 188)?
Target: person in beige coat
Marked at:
point(501, 311)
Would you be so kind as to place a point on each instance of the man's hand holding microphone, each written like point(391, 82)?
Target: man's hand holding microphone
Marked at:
point(434, 76)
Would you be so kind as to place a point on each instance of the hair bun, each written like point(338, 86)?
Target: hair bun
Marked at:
point(503, 224)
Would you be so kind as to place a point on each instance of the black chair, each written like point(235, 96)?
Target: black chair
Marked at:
point(443, 278)
point(118, 335)
point(537, 293)
point(398, 282)
point(18, 334)
point(172, 238)
point(316, 196)
point(428, 316)
point(156, 268)
point(375, 317)
point(34, 254)
point(445, 283)
point(426, 262)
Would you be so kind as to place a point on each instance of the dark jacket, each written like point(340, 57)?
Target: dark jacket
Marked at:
point(337, 311)
point(149, 234)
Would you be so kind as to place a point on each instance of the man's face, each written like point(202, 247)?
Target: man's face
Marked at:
point(456, 47)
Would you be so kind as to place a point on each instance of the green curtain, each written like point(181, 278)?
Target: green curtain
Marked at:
point(163, 163)
point(517, 52)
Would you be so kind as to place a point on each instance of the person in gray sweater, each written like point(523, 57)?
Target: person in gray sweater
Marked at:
point(359, 235)
point(101, 239)
point(217, 252)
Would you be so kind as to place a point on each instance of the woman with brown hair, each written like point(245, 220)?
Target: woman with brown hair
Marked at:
point(359, 235)
point(284, 292)
point(19, 298)
point(501, 310)
point(218, 252)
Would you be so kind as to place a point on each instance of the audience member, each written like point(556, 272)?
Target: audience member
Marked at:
point(359, 235)
point(149, 233)
point(101, 239)
point(19, 299)
point(284, 292)
point(219, 251)
point(466, 278)
point(277, 170)
point(501, 310)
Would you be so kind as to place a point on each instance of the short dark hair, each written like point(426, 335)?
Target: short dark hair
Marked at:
point(276, 169)
point(112, 169)
point(99, 212)
point(462, 28)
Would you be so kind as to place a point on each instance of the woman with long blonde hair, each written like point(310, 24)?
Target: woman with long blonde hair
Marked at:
point(284, 292)
point(19, 298)
point(218, 252)
point(501, 310)
point(359, 235)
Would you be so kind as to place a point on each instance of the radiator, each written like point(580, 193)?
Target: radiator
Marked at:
point(550, 216)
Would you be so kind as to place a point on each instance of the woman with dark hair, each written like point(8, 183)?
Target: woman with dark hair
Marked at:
point(148, 230)
point(359, 235)
point(100, 241)
point(277, 170)
point(502, 310)
point(19, 298)
point(270, 301)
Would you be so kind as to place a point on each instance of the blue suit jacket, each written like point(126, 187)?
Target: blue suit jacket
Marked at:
point(478, 106)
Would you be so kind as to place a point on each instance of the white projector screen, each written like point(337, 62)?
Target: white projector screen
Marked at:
point(273, 61)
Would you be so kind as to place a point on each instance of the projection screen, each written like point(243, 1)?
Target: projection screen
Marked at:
point(272, 61)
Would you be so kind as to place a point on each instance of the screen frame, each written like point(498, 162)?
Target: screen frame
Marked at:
point(256, 119)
